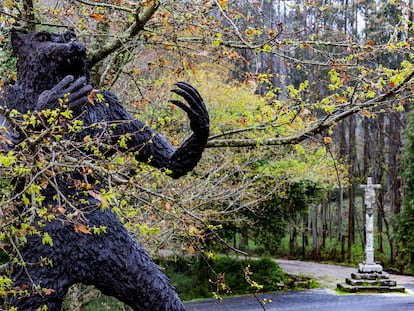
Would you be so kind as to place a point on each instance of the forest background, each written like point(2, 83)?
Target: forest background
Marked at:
point(307, 99)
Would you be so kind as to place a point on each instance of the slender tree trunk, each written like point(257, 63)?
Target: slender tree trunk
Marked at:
point(314, 223)
point(29, 16)
point(244, 242)
point(324, 221)
point(343, 149)
point(305, 235)
point(351, 220)
point(293, 239)
point(351, 189)
point(379, 178)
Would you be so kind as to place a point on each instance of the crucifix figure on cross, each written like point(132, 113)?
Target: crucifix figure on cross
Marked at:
point(369, 265)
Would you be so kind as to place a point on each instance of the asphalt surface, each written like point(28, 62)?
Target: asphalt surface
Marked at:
point(322, 299)
point(314, 299)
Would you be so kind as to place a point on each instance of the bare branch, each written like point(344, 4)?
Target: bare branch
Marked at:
point(317, 129)
point(7, 114)
point(106, 5)
point(138, 25)
point(239, 34)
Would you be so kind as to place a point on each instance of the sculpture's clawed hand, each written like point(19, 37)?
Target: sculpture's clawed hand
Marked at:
point(196, 109)
point(78, 91)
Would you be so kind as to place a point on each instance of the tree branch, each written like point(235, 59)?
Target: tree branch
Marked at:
point(239, 34)
point(106, 5)
point(317, 129)
point(138, 25)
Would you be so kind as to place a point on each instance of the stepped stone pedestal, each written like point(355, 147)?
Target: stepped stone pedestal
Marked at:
point(370, 282)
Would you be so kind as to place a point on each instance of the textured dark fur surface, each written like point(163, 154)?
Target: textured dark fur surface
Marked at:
point(49, 66)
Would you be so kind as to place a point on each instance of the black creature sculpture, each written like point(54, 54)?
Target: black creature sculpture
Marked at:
point(49, 66)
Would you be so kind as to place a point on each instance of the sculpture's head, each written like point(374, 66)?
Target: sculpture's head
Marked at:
point(45, 55)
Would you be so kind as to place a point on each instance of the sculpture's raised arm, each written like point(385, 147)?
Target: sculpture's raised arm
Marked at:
point(146, 144)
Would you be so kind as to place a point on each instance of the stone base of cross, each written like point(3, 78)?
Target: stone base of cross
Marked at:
point(369, 268)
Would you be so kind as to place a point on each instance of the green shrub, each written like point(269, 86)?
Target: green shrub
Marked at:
point(194, 277)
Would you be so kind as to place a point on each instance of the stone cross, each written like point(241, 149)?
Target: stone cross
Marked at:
point(369, 265)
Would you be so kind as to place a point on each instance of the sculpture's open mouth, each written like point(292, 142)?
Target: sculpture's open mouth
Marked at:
point(74, 64)
point(73, 59)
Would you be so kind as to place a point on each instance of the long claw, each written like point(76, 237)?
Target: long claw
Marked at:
point(181, 105)
point(189, 89)
point(187, 96)
point(194, 107)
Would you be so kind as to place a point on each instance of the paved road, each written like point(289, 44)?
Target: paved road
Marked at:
point(315, 299)
point(324, 299)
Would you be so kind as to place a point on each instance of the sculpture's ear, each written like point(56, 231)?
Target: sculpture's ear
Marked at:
point(16, 40)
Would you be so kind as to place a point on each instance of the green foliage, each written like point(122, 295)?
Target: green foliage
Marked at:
point(316, 161)
point(7, 60)
point(272, 217)
point(195, 278)
point(406, 218)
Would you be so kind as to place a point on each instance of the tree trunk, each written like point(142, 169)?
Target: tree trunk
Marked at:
point(343, 151)
point(305, 235)
point(314, 223)
point(378, 174)
point(244, 242)
point(351, 220)
point(324, 220)
point(29, 16)
point(293, 239)
point(351, 189)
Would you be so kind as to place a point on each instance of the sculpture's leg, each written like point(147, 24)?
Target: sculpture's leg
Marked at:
point(123, 269)
point(45, 284)
point(113, 261)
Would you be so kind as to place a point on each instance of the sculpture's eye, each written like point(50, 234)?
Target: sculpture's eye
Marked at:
point(69, 36)
point(42, 36)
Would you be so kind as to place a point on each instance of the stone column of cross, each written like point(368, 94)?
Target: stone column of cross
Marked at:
point(369, 197)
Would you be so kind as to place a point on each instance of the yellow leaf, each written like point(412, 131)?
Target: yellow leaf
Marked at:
point(166, 205)
point(61, 210)
point(327, 140)
point(91, 97)
point(166, 24)
point(223, 3)
point(366, 113)
point(48, 291)
point(98, 197)
point(82, 229)
point(97, 17)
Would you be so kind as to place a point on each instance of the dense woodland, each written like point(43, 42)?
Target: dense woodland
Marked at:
point(307, 99)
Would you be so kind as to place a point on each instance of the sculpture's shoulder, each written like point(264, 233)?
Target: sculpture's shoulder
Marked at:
point(9, 97)
point(106, 106)
point(14, 97)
